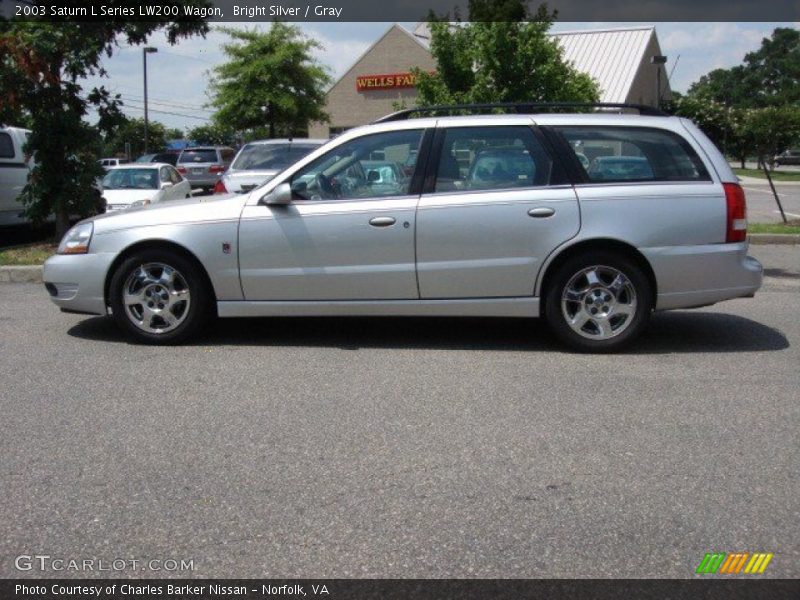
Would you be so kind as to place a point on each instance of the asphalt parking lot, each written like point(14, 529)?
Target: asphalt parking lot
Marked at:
point(404, 447)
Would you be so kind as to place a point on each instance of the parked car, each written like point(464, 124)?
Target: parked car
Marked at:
point(138, 184)
point(258, 162)
point(204, 165)
point(615, 168)
point(14, 169)
point(170, 158)
point(789, 157)
point(108, 163)
point(595, 257)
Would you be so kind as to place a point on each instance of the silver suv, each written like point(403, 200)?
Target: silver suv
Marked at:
point(592, 221)
point(204, 165)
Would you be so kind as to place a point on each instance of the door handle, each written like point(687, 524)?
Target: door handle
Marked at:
point(541, 212)
point(382, 221)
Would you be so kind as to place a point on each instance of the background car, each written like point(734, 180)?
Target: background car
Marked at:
point(108, 163)
point(258, 162)
point(138, 184)
point(620, 168)
point(14, 169)
point(204, 165)
point(170, 158)
point(789, 157)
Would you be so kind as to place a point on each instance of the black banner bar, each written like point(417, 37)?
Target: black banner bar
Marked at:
point(393, 10)
point(397, 589)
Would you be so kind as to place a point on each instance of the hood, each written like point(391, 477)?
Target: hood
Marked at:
point(128, 196)
point(191, 210)
point(234, 180)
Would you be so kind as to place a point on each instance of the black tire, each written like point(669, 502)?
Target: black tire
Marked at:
point(196, 308)
point(599, 333)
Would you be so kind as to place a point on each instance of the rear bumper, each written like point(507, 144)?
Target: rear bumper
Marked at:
point(75, 282)
point(204, 180)
point(690, 276)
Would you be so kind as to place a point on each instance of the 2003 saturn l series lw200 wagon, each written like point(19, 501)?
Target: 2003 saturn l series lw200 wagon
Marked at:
point(590, 220)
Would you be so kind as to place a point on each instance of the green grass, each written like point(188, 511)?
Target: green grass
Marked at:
point(30, 254)
point(790, 227)
point(776, 175)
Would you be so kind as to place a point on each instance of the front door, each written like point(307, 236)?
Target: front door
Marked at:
point(348, 233)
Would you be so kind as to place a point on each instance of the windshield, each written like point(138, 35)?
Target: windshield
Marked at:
point(256, 157)
point(131, 179)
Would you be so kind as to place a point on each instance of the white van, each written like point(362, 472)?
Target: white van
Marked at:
point(14, 169)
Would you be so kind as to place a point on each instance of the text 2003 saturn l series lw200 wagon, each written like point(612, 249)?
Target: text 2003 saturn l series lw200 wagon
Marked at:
point(590, 220)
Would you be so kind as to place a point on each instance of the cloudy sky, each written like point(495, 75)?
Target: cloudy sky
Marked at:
point(178, 75)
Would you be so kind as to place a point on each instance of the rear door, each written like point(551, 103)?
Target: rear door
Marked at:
point(496, 204)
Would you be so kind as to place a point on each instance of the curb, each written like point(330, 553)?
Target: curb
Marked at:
point(781, 239)
point(26, 274)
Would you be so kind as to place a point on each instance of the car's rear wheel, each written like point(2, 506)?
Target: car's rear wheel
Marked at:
point(159, 297)
point(598, 302)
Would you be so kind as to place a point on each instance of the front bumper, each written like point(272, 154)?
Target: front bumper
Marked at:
point(76, 282)
point(692, 276)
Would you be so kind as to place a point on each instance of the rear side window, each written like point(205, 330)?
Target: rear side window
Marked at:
point(198, 156)
point(6, 146)
point(491, 158)
point(621, 154)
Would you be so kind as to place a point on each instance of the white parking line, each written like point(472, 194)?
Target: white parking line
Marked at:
point(788, 214)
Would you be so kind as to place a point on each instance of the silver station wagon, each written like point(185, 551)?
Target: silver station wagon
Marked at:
point(590, 220)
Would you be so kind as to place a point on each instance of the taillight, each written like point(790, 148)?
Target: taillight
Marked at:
point(181, 170)
point(219, 187)
point(216, 169)
point(736, 228)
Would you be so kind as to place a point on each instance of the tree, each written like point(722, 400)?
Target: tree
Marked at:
point(489, 60)
point(131, 131)
point(270, 80)
point(212, 134)
point(772, 72)
point(41, 63)
point(769, 76)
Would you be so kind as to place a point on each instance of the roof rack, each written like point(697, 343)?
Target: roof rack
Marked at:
point(520, 108)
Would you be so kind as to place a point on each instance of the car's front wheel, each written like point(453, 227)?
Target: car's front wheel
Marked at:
point(598, 302)
point(159, 297)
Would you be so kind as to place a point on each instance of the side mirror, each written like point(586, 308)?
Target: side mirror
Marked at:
point(280, 196)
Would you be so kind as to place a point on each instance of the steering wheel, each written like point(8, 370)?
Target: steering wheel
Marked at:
point(325, 185)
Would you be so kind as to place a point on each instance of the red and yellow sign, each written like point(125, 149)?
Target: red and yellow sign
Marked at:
point(388, 81)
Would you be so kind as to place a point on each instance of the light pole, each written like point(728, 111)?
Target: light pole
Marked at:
point(658, 60)
point(145, 51)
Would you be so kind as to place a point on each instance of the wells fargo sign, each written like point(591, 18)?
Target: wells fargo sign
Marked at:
point(385, 82)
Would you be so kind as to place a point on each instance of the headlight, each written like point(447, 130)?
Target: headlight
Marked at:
point(76, 240)
point(140, 203)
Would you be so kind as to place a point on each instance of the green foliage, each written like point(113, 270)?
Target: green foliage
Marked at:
point(488, 60)
point(769, 76)
point(212, 135)
point(131, 131)
point(270, 80)
point(40, 65)
point(753, 108)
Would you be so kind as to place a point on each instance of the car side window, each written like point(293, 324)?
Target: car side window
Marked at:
point(174, 176)
point(491, 158)
point(6, 146)
point(164, 173)
point(622, 154)
point(372, 166)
